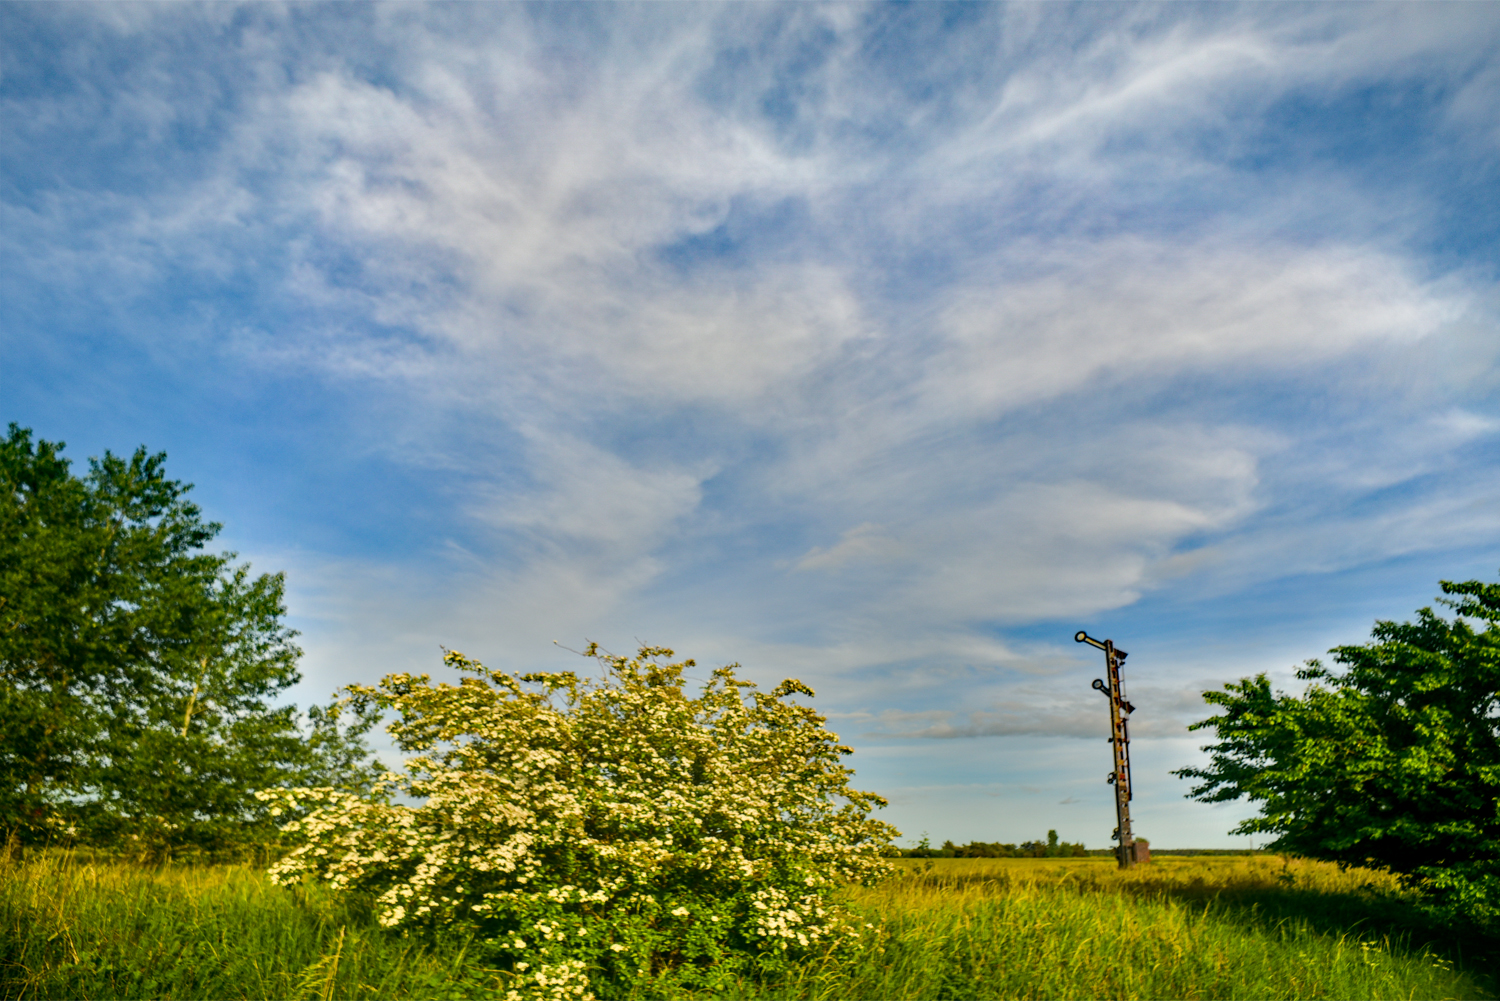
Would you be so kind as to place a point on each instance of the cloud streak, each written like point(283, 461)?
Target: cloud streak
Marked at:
point(875, 344)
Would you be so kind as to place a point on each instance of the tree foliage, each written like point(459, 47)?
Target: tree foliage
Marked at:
point(598, 833)
point(138, 671)
point(1392, 762)
point(1051, 848)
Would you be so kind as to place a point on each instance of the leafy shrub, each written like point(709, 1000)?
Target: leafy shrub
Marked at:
point(1392, 763)
point(597, 834)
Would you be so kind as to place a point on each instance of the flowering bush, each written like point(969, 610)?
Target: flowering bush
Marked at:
point(594, 834)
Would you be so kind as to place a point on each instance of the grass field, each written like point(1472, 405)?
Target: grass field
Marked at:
point(1233, 927)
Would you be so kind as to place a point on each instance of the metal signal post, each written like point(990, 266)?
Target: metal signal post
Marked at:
point(1119, 729)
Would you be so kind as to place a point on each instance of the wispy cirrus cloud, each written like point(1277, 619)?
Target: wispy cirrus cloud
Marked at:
point(865, 343)
point(1037, 711)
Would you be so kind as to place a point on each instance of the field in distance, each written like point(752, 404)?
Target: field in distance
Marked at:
point(1181, 927)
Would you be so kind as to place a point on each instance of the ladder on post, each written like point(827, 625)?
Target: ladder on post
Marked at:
point(1119, 739)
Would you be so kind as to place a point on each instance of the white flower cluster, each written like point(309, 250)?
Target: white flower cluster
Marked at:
point(783, 919)
point(609, 829)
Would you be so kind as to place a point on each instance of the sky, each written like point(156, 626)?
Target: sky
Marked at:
point(882, 346)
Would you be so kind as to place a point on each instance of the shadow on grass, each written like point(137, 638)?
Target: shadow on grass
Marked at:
point(1395, 921)
point(1399, 924)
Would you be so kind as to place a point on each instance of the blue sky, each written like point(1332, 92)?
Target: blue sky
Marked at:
point(881, 346)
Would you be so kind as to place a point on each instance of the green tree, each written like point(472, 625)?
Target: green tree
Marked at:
point(137, 670)
point(1393, 762)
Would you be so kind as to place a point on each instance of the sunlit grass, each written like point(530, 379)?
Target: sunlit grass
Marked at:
point(114, 930)
point(953, 928)
point(1178, 928)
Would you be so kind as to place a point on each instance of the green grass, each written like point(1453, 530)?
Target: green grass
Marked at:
point(1178, 928)
point(1229, 927)
point(109, 930)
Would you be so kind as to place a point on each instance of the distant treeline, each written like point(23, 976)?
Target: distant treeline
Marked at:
point(1051, 848)
point(1193, 851)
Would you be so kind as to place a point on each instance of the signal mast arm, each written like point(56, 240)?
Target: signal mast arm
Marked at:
point(1119, 713)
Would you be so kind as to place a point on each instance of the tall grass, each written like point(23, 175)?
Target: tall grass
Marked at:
point(1180, 928)
point(74, 927)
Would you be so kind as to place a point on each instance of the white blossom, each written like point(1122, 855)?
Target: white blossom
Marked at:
point(734, 805)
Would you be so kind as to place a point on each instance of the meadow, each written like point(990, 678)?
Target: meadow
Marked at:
point(75, 926)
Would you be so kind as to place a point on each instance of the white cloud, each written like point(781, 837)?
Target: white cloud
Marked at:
point(590, 496)
point(859, 544)
point(1066, 708)
point(810, 336)
point(1129, 310)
